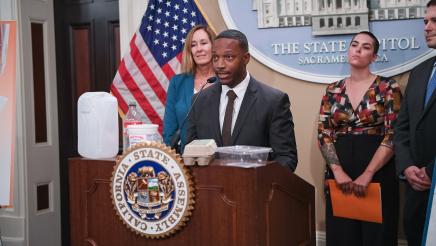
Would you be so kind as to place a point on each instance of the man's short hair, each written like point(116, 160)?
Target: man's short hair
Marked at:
point(236, 35)
point(431, 3)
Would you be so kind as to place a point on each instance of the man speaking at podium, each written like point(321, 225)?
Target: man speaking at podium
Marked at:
point(239, 110)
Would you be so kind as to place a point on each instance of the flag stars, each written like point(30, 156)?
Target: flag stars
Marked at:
point(164, 27)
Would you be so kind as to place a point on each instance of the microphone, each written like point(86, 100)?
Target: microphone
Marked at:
point(176, 137)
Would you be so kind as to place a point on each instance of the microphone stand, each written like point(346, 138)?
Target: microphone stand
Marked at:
point(176, 137)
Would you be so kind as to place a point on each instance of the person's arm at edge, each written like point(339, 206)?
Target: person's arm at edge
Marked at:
point(404, 163)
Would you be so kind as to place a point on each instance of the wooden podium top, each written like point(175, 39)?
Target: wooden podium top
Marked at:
point(266, 205)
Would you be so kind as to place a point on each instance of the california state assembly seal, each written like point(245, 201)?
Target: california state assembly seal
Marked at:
point(152, 192)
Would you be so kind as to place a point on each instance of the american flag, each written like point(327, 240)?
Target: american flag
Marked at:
point(154, 57)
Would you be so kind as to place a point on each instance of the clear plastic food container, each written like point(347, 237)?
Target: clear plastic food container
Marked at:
point(243, 156)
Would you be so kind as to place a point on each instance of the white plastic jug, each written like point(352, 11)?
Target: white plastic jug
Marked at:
point(97, 128)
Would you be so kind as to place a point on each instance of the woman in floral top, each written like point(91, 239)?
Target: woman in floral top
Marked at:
point(355, 134)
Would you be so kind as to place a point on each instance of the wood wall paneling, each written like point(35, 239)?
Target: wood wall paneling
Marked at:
point(114, 47)
point(42, 197)
point(39, 96)
point(81, 54)
point(115, 58)
point(83, 63)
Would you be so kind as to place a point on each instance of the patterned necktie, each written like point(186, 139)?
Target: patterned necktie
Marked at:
point(227, 125)
point(430, 88)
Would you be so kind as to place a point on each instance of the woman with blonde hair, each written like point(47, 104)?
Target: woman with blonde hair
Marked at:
point(196, 69)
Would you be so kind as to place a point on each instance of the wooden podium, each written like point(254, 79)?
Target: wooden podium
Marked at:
point(233, 206)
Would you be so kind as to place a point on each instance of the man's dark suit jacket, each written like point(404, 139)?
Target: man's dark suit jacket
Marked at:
point(264, 119)
point(415, 144)
point(415, 129)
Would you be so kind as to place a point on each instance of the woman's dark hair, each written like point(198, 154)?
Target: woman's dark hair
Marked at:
point(431, 3)
point(375, 42)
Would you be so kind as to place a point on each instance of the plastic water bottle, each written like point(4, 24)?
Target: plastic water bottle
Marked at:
point(132, 117)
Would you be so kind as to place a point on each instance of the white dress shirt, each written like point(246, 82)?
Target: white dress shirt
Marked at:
point(240, 90)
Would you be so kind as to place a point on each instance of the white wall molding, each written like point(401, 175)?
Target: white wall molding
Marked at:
point(11, 241)
point(7, 8)
point(12, 227)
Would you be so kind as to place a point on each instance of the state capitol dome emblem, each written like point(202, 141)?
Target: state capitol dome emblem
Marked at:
point(152, 191)
point(309, 39)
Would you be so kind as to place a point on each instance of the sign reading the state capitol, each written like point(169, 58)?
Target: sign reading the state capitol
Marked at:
point(309, 39)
